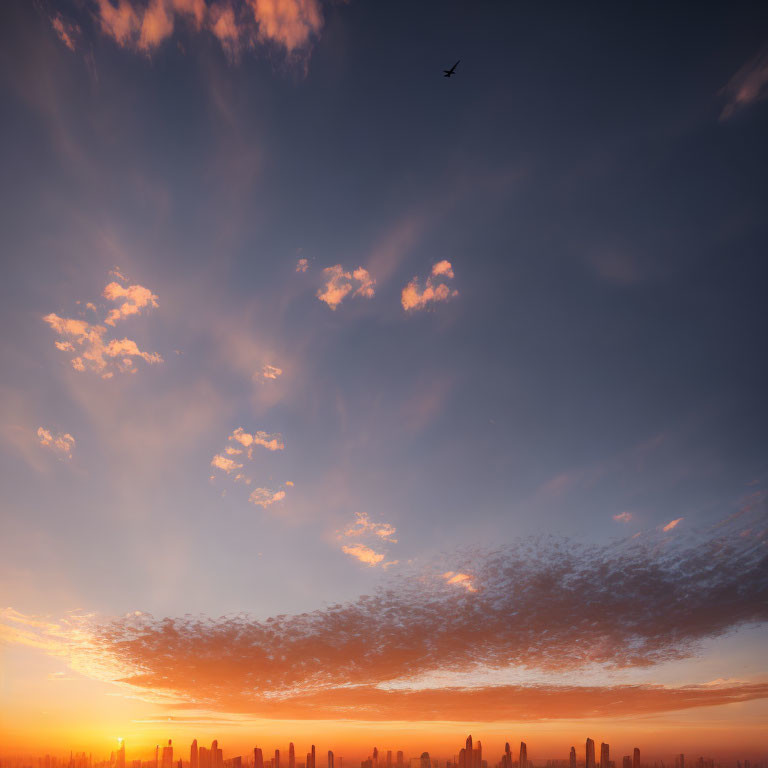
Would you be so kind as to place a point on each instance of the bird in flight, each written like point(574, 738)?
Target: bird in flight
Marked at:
point(451, 71)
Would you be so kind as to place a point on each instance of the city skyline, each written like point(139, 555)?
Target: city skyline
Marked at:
point(348, 403)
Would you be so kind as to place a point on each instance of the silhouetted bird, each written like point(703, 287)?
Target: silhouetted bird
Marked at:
point(451, 71)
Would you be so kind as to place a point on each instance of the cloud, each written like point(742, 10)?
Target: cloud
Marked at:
point(623, 517)
point(302, 265)
point(435, 288)
point(339, 284)
point(748, 85)
point(550, 606)
point(132, 300)
point(363, 525)
point(376, 534)
point(363, 554)
point(462, 579)
point(67, 31)
point(271, 372)
point(671, 524)
point(290, 24)
point(61, 443)
point(88, 341)
point(264, 439)
point(265, 497)
point(225, 464)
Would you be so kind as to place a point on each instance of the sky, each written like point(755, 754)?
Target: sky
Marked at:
point(347, 403)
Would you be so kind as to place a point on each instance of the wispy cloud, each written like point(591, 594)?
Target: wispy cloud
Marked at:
point(435, 289)
point(672, 524)
point(237, 24)
point(623, 517)
point(340, 284)
point(263, 439)
point(748, 85)
point(67, 31)
point(376, 536)
point(61, 443)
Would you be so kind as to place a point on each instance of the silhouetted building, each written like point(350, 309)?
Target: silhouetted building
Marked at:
point(330, 759)
point(523, 762)
point(636, 758)
point(572, 758)
point(291, 756)
point(589, 760)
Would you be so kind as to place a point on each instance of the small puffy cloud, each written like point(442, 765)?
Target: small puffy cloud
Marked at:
point(435, 289)
point(61, 443)
point(88, 342)
point(302, 265)
point(264, 497)
point(271, 372)
point(264, 439)
point(460, 579)
point(376, 534)
point(364, 525)
point(340, 284)
point(289, 483)
point(67, 31)
point(132, 300)
point(748, 85)
point(623, 517)
point(225, 464)
point(671, 524)
point(363, 554)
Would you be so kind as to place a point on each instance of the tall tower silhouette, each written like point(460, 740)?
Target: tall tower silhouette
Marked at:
point(590, 754)
point(291, 756)
point(193, 756)
point(523, 755)
point(605, 756)
point(572, 758)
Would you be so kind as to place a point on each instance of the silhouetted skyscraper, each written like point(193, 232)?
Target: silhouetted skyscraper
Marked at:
point(217, 756)
point(636, 758)
point(168, 756)
point(523, 755)
point(313, 757)
point(389, 758)
point(193, 757)
point(119, 757)
point(425, 762)
point(291, 756)
point(572, 758)
point(330, 759)
point(258, 758)
point(589, 759)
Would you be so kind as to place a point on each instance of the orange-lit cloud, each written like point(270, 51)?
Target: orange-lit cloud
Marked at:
point(271, 372)
point(236, 24)
point(461, 579)
point(363, 554)
point(557, 608)
point(435, 289)
point(377, 536)
point(339, 284)
point(224, 464)
point(671, 524)
point(61, 443)
point(132, 300)
point(748, 85)
point(264, 497)
point(88, 341)
point(264, 439)
point(67, 31)
point(290, 23)
point(302, 265)
point(623, 517)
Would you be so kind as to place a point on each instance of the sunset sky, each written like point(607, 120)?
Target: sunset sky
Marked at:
point(349, 404)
